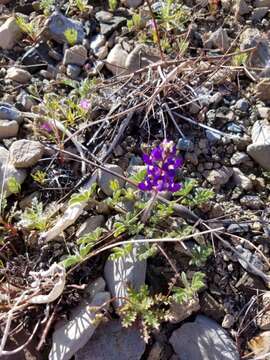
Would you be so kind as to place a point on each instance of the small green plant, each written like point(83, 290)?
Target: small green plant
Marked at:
point(172, 15)
point(71, 36)
point(239, 59)
point(183, 46)
point(119, 252)
point(191, 195)
point(128, 223)
point(82, 5)
point(30, 28)
point(39, 176)
point(13, 186)
point(46, 6)
point(190, 289)
point(136, 23)
point(113, 5)
point(200, 254)
point(82, 196)
point(148, 309)
point(34, 218)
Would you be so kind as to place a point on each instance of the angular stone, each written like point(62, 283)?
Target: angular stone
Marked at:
point(262, 3)
point(57, 24)
point(8, 129)
point(140, 57)
point(10, 33)
point(124, 272)
point(218, 177)
point(25, 153)
point(7, 171)
point(132, 3)
point(203, 339)
point(90, 225)
point(182, 311)
point(219, 39)
point(112, 338)
point(19, 75)
point(259, 13)
point(242, 8)
point(109, 23)
point(9, 112)
point(263, 320)
point(251, 37)
point(72, 335)
point(241, 180)
point(116, 60)
point(76, 55)
point(104, 178)
point(252, 202)
point(259, 150)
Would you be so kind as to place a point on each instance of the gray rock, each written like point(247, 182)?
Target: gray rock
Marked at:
point(73, 71)
point(241, 180)
point(182, 311)
point(212, 136)
point(252, 37)
point(238, 228)
point(9, 112)
point(25, 100)
point(185, 145)
point(124, 272)
point(10, 33)
point(132, 3)
point(109, 23)
point(72, 335)
point(97, 41)
point(19, 75)
point(234, 128)
point(140, 57)
point(116, 60)
point(258, 14)
point(57, 24)
point(242, 8)
point(7, 170)
point(203, 339)
point(76, 55)
point(111, 340)
point(218, 177)
point(242, 105)
point(8, 129)
point(25, 153)
point(239, 158)
point(259, 150)
point(219, 39)
point(252, 202)
point(251, 258)
point(262, 3)
point(90, 225)
point(93, 288)
point(104, 178)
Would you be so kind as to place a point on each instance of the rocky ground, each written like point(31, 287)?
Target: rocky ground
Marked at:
point(87, 87)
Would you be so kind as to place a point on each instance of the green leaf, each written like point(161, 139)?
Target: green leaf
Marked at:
point(119, 252)
point(188, 186)
point(140, 176)
point(83, 196)
point(119, 229)
point(13, 186)
point(197, 282)
point(114, 185)
point(71, 261)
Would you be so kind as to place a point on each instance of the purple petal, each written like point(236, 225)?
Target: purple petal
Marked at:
point(156, 154)
point(174, 187)
point(145, 185)
point(146, 159)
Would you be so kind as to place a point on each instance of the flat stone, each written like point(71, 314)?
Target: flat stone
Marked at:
point(203, 339)
point(97, 41)
point(19, 75)
point(140, 57)
point(57, 24)
point(73, 71)
point(104, 178)
point(252, 37)
point(110, 339)
point(259, 13)
point(218, 177)
point(8, 129)
point(124, 272)
point(238, 228)
point(71, 336)
point(242, 8)
point(25, 153)
point(182, 311)
point(219, 39)
point(116, 60)
point(90, 225)
point(76, 55)
point(239, 158)
point(262, 3)
point(37, 58)
point(108, 26)
point(10, 34)
point(185, 145)
point(132, 3)
point(7, 171)
point(259, 150)
point(9, 112)
point(241, 180)
point(252, 202)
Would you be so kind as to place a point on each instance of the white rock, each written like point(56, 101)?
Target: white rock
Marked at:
point(7, 170)
point(8, 129)
point(241, 180)
point(76, 55)
point(104, 178)
point(102, 52)
point(90, 225)
point(71, 336)
point(123, 272)
point(111, 340)
point(140, 57)
point(203, 339)
point(116, 60)
point(132, 3)
point(259, 150)
point(19, 75)
point(10, 33)
point(25, 153)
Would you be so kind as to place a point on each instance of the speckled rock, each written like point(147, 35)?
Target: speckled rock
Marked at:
point(19, 75)
point(76, 55)
point(10, 33)
point(116, 60)
point(25, 153)
point(8, 129)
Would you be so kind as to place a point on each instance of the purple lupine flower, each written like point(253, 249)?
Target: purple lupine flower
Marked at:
point(162, 164)
point(85, 104)
point(47, 127)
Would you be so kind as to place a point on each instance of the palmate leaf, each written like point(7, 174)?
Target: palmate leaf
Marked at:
point(70, 261)
point(83, 196)
point(119, 252)
point(140, 176)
